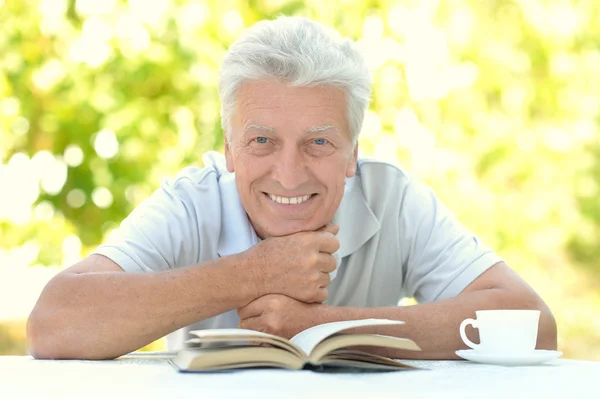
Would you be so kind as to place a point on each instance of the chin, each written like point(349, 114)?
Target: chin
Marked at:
point(286, 228)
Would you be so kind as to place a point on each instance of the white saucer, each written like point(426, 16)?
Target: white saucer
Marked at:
point(536, 357)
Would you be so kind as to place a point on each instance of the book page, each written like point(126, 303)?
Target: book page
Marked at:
point(308, 339)
point(232, 358)
point(335, 343)
point(240, 335)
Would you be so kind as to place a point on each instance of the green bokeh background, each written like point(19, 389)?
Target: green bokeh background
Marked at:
point(494, 103)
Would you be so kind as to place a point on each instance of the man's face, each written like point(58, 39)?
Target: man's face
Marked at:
point(291, 151)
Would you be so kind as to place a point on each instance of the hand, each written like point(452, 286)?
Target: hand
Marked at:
point(279, 315)
point(297, 265)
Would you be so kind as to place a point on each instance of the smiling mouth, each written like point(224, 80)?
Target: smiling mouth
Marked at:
point(289, 200)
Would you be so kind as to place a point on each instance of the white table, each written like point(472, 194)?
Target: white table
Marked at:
point(151, 376)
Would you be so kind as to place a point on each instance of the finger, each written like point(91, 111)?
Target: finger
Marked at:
point(327, 263)
point(252, 323)
point(253, 309)
point(324, 280)
point(324, 294)
point(330, 228)
point(321, 295)
point(327, 242)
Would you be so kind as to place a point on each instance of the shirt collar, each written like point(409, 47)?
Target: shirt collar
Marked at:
point(356, 220)
point(237, 233)
point(354, 216)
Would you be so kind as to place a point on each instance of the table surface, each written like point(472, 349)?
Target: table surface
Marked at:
point(152, 376)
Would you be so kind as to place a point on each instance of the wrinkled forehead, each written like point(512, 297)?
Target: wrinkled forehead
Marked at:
point(268, 103)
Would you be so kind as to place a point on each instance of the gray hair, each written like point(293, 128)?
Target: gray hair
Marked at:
point(299, 52)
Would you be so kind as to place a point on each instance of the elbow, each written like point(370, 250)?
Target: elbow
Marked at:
point(45, 325)
point(547, 334)
point(35, 342)
point(547, 329)
point(40, 344)
point(47, 339)
point(47, 344)
point(56, 327)
point(39, 327)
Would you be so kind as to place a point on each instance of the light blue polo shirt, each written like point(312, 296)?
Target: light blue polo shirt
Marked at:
point(396, 238)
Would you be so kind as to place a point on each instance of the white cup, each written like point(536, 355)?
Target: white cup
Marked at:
point(503, 331)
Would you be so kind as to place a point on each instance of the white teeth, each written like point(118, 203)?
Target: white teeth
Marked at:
point(289, 200)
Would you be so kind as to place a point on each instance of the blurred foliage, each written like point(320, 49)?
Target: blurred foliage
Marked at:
point(495, 103)
point(12, 338)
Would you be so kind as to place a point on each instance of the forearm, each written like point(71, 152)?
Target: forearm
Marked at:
point(107, 314)
point(435, 326)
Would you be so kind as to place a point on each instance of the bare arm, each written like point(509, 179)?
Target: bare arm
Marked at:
point(434, 326)
point(94, 310)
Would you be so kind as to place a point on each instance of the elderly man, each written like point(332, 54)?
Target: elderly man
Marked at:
point(288, 230)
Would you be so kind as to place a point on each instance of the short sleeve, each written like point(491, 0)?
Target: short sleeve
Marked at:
point(160, 234)
point(441, 257)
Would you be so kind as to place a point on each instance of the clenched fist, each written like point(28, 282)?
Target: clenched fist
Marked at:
point(297, 265)
point(279, 315)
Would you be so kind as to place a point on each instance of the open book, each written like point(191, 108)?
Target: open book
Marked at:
point(322, 345)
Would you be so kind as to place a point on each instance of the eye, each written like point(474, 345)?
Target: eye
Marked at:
point(320, 141)
point(261, 140)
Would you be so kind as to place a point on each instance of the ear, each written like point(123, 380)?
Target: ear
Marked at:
point(229, 157)
point(351, 168)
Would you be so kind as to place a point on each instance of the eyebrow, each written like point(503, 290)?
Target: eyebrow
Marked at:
point(259, 127)
point(322, 128)
point(314, 129)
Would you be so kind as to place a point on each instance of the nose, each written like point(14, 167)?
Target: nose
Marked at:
point(290, 169)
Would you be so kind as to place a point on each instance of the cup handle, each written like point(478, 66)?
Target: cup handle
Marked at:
point(463, 335)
